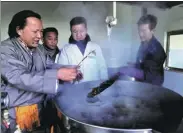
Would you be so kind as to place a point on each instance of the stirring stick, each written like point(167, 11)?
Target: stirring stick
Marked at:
point(82, 61)
point(85, 58)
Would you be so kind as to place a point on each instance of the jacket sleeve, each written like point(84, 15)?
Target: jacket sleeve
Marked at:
point(102, 64)
point(63, 58)
point(17, 75)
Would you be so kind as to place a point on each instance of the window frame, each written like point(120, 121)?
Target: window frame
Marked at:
point(169, 33)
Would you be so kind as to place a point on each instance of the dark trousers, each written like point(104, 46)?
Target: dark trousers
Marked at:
point(50, 118)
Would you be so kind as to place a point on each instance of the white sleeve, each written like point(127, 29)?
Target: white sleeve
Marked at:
point(63, 58)
point(102, 65)
point(57, 57)
point(56, 61)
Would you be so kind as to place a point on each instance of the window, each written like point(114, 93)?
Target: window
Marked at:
point(174, 50)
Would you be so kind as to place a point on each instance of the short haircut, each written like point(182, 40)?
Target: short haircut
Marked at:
point(50, 29)
point(148, 19)
point(78, 20)
point(19, 20)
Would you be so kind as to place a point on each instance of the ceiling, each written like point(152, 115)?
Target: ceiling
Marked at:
point(157, 4)
point(170, 4)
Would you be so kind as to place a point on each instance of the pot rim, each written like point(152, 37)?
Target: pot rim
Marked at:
point(106, 128)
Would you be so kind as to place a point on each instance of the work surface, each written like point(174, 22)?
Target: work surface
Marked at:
point(136, 105)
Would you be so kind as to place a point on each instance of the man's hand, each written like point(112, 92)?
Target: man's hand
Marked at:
point(67, 74)
point(79, 76)
point(132, 71)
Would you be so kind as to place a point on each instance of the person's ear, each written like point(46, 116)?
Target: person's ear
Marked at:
point(153, 31)
point(19, 31)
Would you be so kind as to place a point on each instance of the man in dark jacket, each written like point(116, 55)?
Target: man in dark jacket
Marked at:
point(151, 55)
point(50, 41)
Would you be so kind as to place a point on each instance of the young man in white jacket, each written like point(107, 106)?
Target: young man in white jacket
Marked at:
point(80, 45)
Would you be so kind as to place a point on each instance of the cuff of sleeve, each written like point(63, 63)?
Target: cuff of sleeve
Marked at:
point(139, 74)
point(56, 88)
point(50, 78)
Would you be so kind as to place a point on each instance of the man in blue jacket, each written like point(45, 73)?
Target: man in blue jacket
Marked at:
point(151, 55)
point(24, 74)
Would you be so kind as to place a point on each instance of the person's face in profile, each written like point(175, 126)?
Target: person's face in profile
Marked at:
point(32, 32)
point(51, 40)
point(145, 33)
point(79, 32)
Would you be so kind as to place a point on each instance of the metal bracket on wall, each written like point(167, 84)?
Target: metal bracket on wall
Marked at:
point(144, 11)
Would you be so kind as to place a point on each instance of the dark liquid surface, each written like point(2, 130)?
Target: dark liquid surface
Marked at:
point(123, 105)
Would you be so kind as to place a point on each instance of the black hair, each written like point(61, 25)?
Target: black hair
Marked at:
point(78, 20)
point(50, 29)
point(19, 20)
point(148, 19)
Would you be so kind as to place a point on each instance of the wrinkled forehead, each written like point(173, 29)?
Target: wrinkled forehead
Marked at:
point(51, 34)
point(34, 23)
point(144, 27)
point(79, 27)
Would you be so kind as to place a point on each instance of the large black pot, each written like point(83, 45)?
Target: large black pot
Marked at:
point(124, 107)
